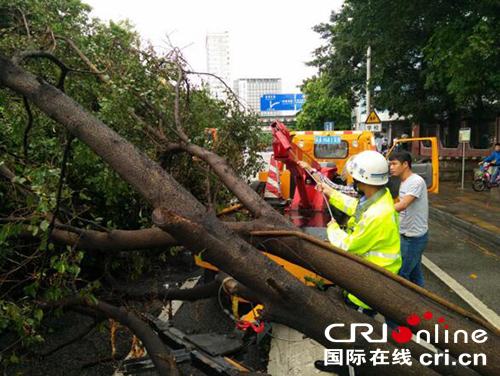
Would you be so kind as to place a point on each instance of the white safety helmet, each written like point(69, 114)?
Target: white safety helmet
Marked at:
point(369, 167)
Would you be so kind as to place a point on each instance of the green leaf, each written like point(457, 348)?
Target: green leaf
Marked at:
point(60, 266)
point(83, 196)
point(93, 300)
point(44, 225)
point(38, 314)
point(39, 338)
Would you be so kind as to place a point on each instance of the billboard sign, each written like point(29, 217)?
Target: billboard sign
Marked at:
point(282, 102)
point(464, 135)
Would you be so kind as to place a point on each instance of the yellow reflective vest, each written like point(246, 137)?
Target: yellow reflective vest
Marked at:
point(372, 231)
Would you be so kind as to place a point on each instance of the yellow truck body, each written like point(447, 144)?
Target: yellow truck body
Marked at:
point(352, 143)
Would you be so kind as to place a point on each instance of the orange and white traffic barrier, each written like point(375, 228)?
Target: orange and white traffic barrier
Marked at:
point(273, 185)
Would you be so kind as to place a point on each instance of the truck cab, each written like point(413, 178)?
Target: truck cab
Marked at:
point(328, 148)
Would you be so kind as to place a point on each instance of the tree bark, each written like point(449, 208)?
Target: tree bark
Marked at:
point(128, 240)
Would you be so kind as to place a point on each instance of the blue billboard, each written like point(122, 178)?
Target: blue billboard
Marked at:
point(282, 102)
point(300, 99)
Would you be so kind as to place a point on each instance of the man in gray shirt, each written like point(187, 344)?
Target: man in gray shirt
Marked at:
point(413, 209)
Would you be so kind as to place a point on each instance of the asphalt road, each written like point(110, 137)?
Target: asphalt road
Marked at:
point(475, 267)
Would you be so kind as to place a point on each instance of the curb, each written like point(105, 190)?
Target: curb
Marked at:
point(479, 234)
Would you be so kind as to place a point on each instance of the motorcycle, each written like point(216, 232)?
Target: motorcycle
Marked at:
point(482, 178)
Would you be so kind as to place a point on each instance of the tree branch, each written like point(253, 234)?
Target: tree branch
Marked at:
point(312, 240)
point(20, 58)
point(123, 240)
point(7, 174)
point(26, 26)
point(177, 117)
point(71, 341)
point(61, 182)
point(28, 127)
point(246, 195)
point(93, 68)
point(222, 81)
point(155, 347)
point(157, 351)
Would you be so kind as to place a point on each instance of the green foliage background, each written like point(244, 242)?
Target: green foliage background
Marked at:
point(432, 60)
point(32, 268)
point(320, 107)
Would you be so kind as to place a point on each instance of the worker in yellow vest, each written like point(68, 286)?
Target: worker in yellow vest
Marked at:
point(372, 230)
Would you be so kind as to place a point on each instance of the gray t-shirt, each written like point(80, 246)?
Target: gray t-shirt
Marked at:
point(413, 220)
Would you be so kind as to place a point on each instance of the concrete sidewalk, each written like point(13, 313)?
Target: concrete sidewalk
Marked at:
point(476, 214)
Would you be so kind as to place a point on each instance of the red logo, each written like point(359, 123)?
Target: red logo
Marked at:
point(402, 334)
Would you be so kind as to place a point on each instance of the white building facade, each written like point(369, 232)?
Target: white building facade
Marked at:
point(249, 91)
point(218, 63)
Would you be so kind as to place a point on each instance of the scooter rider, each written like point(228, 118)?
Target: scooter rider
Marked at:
point(494, 158)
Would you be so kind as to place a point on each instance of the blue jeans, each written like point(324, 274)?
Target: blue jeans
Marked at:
point(412, 249)
point(494, 175)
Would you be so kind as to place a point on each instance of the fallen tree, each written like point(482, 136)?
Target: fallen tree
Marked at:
point(44, 222)
point(286, 299)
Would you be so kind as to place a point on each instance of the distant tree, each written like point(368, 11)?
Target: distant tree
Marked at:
point(463, 54)
point(430, 59)
point(321, 107)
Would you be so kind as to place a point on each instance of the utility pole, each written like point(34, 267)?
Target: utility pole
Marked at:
point(368, 77)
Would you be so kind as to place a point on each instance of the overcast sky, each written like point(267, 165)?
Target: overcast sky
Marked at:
point(268, 38)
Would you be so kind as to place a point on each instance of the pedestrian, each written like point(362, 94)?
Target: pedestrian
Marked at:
point(378, 142)
point(372, 230)
point(413, 209)
point(384, 145)
point(494, 158)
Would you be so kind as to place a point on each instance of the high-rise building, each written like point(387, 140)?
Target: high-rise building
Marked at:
point(218, 63)
point(249, 90)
